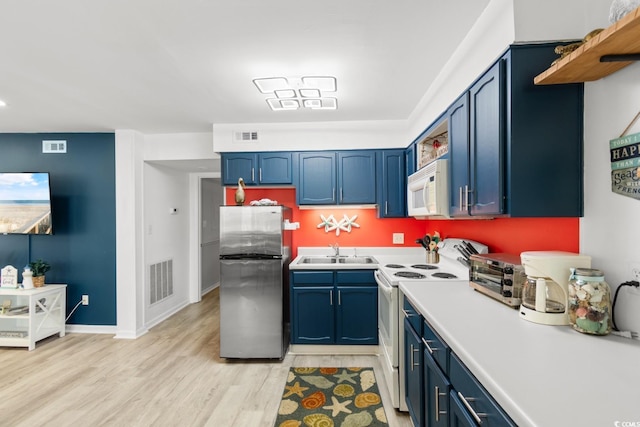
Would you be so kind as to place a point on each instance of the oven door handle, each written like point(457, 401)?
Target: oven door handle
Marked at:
point(382, 284)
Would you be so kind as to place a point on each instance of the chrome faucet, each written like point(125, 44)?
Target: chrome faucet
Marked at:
point(336, 249)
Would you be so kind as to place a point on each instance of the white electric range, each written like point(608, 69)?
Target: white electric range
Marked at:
point(393, 270)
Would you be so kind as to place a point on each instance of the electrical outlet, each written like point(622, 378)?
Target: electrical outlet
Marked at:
point(634, 269)
point(398, 238)
point(85, 299)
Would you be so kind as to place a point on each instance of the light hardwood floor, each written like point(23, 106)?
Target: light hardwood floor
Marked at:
point(172, 376)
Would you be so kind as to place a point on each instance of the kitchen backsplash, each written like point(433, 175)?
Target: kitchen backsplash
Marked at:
point(512, 235)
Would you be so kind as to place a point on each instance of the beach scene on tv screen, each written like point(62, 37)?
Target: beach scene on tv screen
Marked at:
point(25, 206)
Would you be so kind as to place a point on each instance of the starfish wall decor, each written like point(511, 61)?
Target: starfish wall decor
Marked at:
point(345, 224)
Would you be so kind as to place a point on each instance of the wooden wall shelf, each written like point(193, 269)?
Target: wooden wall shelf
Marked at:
point(584, 64)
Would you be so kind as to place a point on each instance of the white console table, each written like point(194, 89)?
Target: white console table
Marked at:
point(43, 315)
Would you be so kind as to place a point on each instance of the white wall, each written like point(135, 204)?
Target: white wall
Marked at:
point(610, 230)
point(166, 236)
point(311, 136)
point(180, 146)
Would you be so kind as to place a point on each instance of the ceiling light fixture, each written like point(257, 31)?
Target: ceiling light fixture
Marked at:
point(291, 93)
point(2, 103)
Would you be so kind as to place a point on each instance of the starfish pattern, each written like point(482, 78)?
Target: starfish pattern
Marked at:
point(295, 389)
point(345, 376)
point(329, 223)
point(338, 407)
point(345, 224)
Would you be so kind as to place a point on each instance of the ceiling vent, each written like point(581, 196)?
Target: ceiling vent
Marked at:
point(59, 146)
point(245, 136)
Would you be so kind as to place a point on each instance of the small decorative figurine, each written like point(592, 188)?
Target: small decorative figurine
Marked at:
point(240, 192)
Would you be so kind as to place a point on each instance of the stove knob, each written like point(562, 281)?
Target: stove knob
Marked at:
point(507, 282)
point(508, 270)
point(507, 294)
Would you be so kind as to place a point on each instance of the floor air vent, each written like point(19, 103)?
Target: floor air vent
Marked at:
point(245, 136)
point(160, 281)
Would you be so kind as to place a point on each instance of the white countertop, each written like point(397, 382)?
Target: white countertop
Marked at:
point(384, 255)
point(540, 375)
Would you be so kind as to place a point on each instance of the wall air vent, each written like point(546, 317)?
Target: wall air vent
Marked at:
point(160, 281)
point(245, 136)
point(57, 146)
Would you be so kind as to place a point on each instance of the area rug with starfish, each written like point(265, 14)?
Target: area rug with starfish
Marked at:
point(327, 397)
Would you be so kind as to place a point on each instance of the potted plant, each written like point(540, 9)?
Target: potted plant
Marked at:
point(39, 268)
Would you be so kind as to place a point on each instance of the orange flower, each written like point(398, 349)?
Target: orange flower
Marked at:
point(314, 400)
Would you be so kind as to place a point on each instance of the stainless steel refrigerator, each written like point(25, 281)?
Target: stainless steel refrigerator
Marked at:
point(255, 251)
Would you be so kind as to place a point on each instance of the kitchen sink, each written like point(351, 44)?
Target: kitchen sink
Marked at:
point(338, 260)
point(317, 260)
point(358, 260)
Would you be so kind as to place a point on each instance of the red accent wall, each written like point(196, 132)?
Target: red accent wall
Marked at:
point(513, 235)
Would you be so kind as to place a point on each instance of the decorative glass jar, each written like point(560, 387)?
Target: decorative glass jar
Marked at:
point(589, 301)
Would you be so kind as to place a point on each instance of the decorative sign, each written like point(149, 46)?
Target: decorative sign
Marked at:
point(9, 277)
point(345, 224)
point(625, 165)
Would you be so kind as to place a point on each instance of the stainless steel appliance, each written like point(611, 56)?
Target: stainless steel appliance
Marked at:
point(428, 191)
point(390, 315)
point(255, 251)
point(500, 276)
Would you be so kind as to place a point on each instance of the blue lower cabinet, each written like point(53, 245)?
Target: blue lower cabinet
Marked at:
point(313, 315)
point(470, 403)
point(413, 374)
point(436, 393)
point(334, 307)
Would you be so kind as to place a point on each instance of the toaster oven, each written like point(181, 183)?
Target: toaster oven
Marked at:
point(499, 276)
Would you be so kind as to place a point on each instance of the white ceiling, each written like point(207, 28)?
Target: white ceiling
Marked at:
point(180, 66)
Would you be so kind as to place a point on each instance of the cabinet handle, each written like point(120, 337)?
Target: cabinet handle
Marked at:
point(407, 314)
point(386, 207)
point(341, 195)
point(413, 350)
point(466, 197)
point(260, 174)
point(331, 297)
point(253, 177)
point(333, 195)
point(476, 415)
point(437, 410)
point(429, 348)
point(460, 188)
point(339, 297)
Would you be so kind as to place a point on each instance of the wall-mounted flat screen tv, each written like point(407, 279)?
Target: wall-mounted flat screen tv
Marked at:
point(25, 203)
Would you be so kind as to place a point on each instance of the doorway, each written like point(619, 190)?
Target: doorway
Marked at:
point(211, 198)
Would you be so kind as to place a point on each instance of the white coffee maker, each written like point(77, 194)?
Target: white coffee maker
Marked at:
point(545, 293)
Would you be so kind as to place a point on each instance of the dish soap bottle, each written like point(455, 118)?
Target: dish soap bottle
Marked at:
point(589, 301)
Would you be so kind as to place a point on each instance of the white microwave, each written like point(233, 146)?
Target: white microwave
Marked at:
point(428, 191)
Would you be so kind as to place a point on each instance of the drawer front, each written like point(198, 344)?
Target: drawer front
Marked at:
point(312, 278)
point(472, 395)
point(436, 346)
point(412, 316)
point(355, 277)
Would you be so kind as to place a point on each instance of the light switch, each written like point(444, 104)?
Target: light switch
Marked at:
point(398, 238)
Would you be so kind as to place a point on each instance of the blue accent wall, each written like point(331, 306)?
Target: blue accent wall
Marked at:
point(82, 250)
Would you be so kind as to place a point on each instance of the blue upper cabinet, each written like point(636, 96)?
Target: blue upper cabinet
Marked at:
point(356, 177)
point(515, 148)
point(458, 122)
point(257, 168)
point(316, 178)
point(329, 178)
point(274, 168)
point(392, 184)
point(486, 149)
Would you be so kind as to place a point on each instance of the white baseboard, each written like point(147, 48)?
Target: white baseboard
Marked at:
point(306, 349)
point(91, 329)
